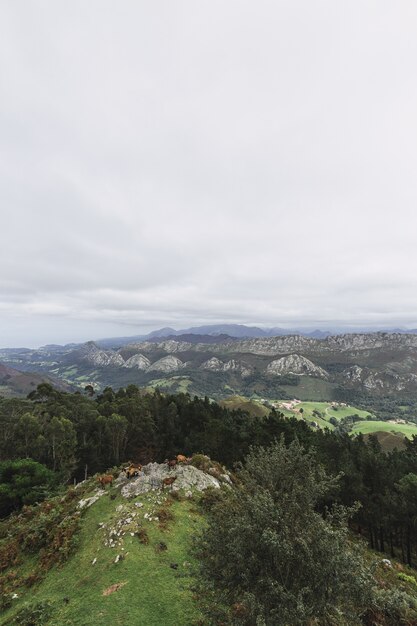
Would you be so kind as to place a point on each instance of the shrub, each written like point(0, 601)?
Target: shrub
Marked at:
point(165, 516)
point(268, 551)
point(407, 579)
point(201, 462)
point(142, 535)
point(23, 482)
point(209, 497)
point(9, 554)
point(390, 608)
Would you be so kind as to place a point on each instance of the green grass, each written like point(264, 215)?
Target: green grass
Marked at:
point(252, 407)
point(367, 426)
point(154, 594)
point(177, 384)
point(326, 411)
point(388, 441)
point(345, 411)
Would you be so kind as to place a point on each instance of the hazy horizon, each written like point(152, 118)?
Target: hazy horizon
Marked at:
point(304, 329)
point(177, 164)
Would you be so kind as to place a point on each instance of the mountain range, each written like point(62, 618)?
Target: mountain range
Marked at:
point(219, 365)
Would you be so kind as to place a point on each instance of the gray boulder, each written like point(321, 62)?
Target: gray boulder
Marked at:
point(186, 477)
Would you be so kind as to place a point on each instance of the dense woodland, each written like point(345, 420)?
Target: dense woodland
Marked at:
point(74, 435)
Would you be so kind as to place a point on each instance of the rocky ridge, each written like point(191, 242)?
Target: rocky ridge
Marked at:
point(216, 365)
point(167, 364)
point(92, 354)
point(138, 361)
point(296, 364)
point(294, 344)
point(383, 380)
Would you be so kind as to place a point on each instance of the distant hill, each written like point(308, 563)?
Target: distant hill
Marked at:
point(237, 331)
point(232, 331)
point(194, 338)
point(14, 383)
point(389, 441)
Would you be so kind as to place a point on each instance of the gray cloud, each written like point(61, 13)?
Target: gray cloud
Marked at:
point(177, 163)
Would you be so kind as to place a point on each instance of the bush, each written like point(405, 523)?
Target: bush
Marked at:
point(142, 535)
point(270, 556)
point(201, 462)
point(24, 482)
point(407, 579)
point(390, 608)
point(209, 497)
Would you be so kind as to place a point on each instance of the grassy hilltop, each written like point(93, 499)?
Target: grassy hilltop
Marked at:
point(149, 585)
point(120, 561)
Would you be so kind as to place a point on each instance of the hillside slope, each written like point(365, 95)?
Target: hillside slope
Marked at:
point(16, 384)
point(131, 561)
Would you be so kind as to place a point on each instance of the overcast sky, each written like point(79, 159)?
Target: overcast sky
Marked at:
point(185, 162)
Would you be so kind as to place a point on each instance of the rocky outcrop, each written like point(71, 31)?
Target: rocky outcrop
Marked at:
point(186, 477)
point(102, 358)
point(138, 361)
point(384, 380)
point(167, 364)
point(237, 366)
point(296, 364)
point(370, 341)
point(170, 345)
point(353, 374)
point(85, 503)
point(216, 365)
point(285, 344)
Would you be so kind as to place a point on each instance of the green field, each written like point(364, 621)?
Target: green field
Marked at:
point(325, 409)
point(254, 408)
point(175, 384)
point(368, 426)
point(152, 593)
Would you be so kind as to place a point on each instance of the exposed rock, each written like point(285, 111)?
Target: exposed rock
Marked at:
point(214, 364)
point(167, 364)
point(87, 502)
point(138, 361)
point(187, 477)
point(360, 342)
point(167, 346)
point(380, 380)
point(237, 366)
point(93, 354)
point(296, 364)
point(353, 373)
point(226, 479)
